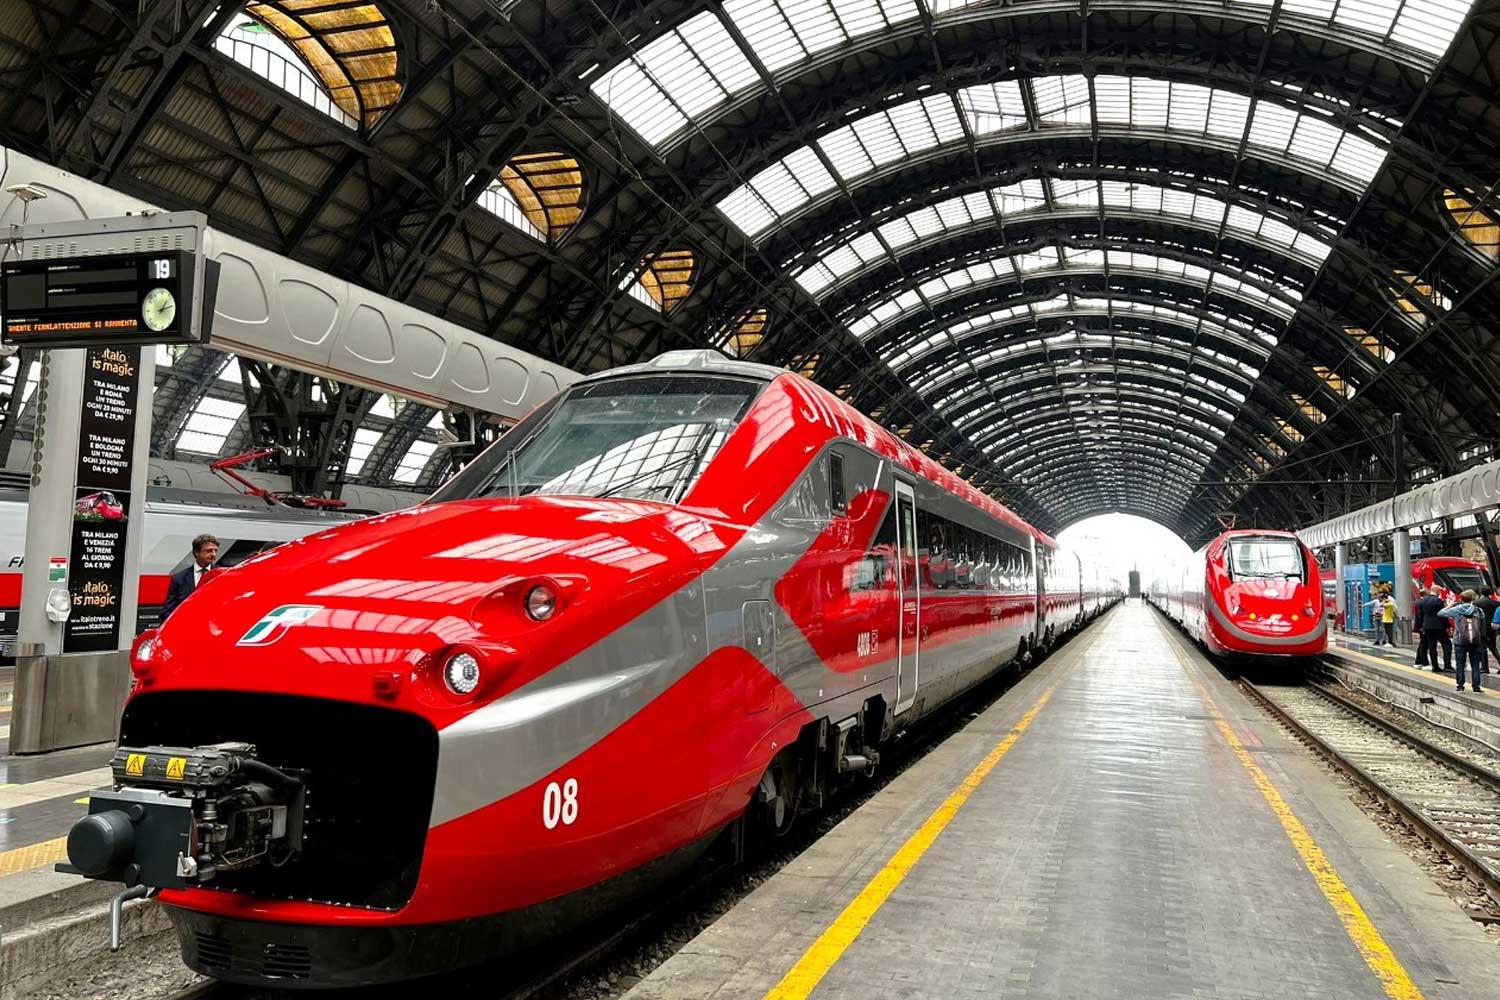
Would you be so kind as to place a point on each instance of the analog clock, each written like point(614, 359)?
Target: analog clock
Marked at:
point(158, 309)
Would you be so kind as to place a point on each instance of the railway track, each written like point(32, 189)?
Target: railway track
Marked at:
point(1449, 801)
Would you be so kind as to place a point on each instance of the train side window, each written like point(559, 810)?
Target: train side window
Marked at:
point(963, 560)
point(875, 570)
point(836, 484)
point(937, 552)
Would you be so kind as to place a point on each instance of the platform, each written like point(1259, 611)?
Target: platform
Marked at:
point(1389, 674)
point(47, 920)
point(1143, 831)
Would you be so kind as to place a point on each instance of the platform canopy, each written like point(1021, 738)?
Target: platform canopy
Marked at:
point(1175, 260)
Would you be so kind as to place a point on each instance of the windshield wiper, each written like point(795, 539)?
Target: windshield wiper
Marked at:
point(692, 457)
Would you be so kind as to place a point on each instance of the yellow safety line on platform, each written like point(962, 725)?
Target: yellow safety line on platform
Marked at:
point(22, 859)
point(833, 942)
point(1372, 947)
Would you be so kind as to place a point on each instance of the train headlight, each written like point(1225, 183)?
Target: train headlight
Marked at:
point(461, 673)
point(541, 602)
point(144, 655)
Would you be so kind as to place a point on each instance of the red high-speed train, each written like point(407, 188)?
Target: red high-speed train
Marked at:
point(680, 596)
point(1250, 591)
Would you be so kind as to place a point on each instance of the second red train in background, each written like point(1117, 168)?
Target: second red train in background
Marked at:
point(1248, 592)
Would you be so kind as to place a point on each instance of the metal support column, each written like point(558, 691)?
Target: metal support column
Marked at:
point(1340, 596)
point(1486, 525)
point(1401, 547)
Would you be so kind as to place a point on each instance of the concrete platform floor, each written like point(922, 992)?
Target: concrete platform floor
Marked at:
point(1142, 831)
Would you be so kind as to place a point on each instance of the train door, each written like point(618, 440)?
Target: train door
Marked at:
point(1039, 570)
point(909, 598)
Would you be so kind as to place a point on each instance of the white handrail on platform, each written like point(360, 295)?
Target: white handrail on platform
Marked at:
point(1468, 492)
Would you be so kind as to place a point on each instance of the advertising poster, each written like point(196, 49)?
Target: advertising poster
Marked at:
point(101, 501)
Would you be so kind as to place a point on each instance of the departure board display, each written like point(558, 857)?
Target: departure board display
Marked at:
point(113, 299)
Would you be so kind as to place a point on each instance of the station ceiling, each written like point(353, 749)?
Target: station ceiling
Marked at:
point(1179, 260)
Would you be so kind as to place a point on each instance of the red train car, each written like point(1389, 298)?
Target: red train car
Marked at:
point(679, 596)
point(1251, 592)
point(1451, 575)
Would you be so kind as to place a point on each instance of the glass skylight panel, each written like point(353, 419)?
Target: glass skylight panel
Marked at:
point(793, 30)
point(697, 65)
point(266, 54)
point(409, 470)
point(629, 93)
point(993, 107)
point(1061, 100)
point(766, 29)
point(860, 148)
point(1374, 17)
point(1429, 25)
point(33, 376)
point(1216, 281)
point(1027, 196)
point(1043, 259)
point(1226, 112)
point(498, 201)
point(365, 440)
point(886, 136)
point(815, 278)
point(209, 425)
point(777, 191)
point(1079, 194)
point(1315, 140)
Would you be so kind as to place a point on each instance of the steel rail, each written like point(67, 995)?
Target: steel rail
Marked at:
point(1476, 771)
point(1411, 816)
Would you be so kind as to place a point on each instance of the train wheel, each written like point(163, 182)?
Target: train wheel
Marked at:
point(776, 797)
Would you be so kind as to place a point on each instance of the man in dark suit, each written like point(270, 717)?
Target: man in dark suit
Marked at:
point(184, 582)
point(1487, 604)
point(1434, 632)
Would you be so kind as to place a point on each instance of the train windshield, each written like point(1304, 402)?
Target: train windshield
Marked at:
point(1461, 578)
point(645, 438)
point(1266, 558)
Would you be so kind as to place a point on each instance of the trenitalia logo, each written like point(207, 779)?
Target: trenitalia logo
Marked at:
point(278, 623)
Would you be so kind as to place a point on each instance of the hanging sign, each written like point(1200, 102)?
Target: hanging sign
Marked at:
point(101, 498)
point(119, 299)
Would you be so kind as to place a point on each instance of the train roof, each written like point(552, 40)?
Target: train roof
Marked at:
point(696, 362)
point(1446, 562)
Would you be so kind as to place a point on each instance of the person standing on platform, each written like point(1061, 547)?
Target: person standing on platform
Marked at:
point(1468, 637)
point(185, 581)
point(1487, 604)
point(1385, 618)
point(1434, 632)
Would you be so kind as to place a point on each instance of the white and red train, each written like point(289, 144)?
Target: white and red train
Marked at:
point(1248, 592)
point(198, 504)
point(681, 598)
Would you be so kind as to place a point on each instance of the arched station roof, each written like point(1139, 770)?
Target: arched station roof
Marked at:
point(1174, 260)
